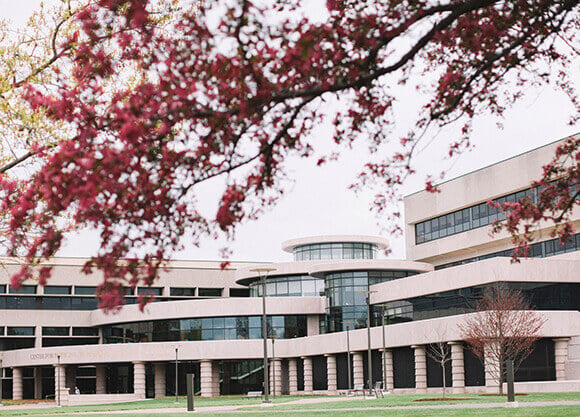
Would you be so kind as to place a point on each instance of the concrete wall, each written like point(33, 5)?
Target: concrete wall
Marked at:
point(483, 272)
point(558, 324)
point(480, 186)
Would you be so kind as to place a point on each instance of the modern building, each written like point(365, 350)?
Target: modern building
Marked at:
point(207, 321)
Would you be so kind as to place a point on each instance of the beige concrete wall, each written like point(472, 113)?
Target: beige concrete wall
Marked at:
point(558, 324)
point(483, 272)
point(480, 186)
point(196, 274)
point(41, 318)
point(212, 308)
point(317, 268)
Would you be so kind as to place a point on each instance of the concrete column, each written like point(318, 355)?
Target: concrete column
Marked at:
point(293, 376)
point(357, 369)
point(206, 376)
point(390, 377)
point(16, 383)
point(492, 372)
point(308, 388)
point(560, 357)
point(457, 368)
point(420, 369)
point(331, 373)
point(215, 378)
point(139, 379)
point(312, 325)
point(38, 337)
point(101, 380)
point(275, 370)
point(38, 383)
point(160, 387)
point(64, 390)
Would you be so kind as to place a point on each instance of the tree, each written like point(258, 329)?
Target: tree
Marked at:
point(28, 56)
point(440, 353)
point(503, 327)
point(229, 90)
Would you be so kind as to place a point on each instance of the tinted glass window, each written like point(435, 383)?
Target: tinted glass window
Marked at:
point(81, 290)
point(57, 289)
point(24, 289)
point(20, 331)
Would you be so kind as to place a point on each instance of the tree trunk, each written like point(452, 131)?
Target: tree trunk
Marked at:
point(444, 381)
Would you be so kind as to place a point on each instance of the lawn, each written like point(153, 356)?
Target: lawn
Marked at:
point(559, 411)
point(404, 400)
point(356, 407)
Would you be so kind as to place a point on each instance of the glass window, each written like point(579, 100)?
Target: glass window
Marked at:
point(210, 292)
point(56, 303)
point(3, 289)
point(182, 292)
point(325, 252)
point(55, 331)
point(294, 288)
point(24, 289)
point(255, 321)
point(82, 290)
point(336, 251)
point(308, 288)
point(85, 331)
point(282, 287)
point(57, 289)
point(20, 331)
point(348, 251)
point(270, 289)
point(230, 322)
point(150, 290)
point(255, 333)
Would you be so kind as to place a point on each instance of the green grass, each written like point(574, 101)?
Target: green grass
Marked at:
point(561, 411)
point(404, 400)
point(357, 406)
point(166, 402)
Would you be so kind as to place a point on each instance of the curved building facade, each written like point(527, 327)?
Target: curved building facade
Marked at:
point(337, 305)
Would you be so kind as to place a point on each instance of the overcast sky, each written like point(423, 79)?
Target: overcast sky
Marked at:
point(319, 203)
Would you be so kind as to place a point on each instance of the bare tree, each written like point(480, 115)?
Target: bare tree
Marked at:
point(441, 354)
point(503, 327)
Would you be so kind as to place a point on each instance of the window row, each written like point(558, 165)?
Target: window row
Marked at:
point(466, 219)
point(289, 286)
point(211, 328)
point(537, 250)
point(91, 290)
point(544, 296)
point(344, 250)
point(66, 331)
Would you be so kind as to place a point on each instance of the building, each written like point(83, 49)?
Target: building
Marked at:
point(207, 320)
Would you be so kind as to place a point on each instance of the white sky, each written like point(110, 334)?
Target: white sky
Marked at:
point(319, 202)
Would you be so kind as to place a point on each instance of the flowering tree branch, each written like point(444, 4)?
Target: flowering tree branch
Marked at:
point(228, 91)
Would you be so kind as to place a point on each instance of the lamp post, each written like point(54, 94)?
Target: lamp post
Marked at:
point(369, 355)
point(348, 358)
point(384, 347)
point(262, 272)
point(348, 361)
point(273, 368)
point(176, 376)
point(1, 377)
point(58, 381)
